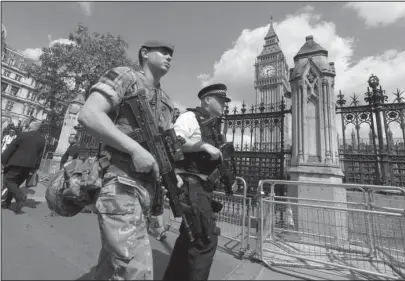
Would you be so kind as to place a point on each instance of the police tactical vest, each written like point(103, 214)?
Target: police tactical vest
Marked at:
point(210, 128)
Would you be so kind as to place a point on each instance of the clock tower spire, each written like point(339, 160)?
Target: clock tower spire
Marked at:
point(272, 81)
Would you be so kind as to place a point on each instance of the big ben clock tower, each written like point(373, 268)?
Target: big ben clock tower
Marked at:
point(271, 85)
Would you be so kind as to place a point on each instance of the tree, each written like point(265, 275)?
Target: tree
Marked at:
point(65, 70)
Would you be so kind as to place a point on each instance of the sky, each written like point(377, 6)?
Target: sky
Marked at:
point(218, 41)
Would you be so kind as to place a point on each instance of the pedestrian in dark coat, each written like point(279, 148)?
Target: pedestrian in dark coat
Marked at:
point(21, 159)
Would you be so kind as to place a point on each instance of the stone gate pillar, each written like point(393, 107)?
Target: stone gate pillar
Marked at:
point(315, 154)
point(69, 122)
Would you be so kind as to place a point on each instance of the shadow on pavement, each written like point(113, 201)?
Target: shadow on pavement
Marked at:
point(29, 203)
point(160, 261)
point(89, 275)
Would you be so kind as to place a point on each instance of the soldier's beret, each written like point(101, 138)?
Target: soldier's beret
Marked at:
point(218, 90)
point(158, 44)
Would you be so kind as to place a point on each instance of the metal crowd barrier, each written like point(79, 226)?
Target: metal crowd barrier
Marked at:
point(363, 239)
point(232, 219)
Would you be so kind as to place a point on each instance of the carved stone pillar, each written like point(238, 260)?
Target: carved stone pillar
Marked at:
point(315, 140)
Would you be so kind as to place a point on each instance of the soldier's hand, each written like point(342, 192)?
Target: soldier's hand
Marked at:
point(214, 152)
point(179, 181)
point(144, 162)
point(235, 187)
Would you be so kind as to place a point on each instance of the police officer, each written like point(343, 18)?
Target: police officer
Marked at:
point(123, 203)
point(193, 260)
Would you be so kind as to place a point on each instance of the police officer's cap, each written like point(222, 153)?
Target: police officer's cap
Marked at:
point(218, 90)
point(158, 44)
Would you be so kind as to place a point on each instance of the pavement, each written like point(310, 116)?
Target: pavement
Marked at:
point(36, 245)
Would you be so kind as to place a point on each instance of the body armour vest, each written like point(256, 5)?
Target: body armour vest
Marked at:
point(160, 103)
point(200, 162)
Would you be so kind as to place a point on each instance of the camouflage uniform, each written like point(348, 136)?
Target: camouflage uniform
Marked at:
point(126, 253)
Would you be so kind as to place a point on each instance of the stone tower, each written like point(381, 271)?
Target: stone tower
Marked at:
point(69, 122)
point(271, 85)
point(354, 143)
point(315, 155)
point(314, 125)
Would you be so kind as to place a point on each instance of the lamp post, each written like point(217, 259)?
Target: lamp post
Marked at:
point(375, 98)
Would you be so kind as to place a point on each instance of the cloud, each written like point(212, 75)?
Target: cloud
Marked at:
point(378, 13)
point(235, 66)
point(306, 9)
point(86, 7)
point(61, 41)
point(33, 53)
point(389, 67)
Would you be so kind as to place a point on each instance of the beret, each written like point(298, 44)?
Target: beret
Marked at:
point(158, 44)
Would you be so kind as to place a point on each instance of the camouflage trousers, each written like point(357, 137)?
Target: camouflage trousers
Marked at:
point(121, 207)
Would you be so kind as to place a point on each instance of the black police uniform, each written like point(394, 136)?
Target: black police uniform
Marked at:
point(193, 260)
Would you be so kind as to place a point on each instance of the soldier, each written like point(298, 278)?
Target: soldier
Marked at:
point(192, 261)
point(123, 202)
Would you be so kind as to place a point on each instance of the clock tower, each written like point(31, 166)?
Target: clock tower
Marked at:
point(271, 85)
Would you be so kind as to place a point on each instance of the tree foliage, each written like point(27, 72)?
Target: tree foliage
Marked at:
point(68, 69)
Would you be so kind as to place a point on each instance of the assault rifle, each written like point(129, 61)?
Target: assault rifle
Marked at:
point(165, 148)
point(224, 176)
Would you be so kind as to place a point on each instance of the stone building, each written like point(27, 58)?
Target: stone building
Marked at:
point(18, 102)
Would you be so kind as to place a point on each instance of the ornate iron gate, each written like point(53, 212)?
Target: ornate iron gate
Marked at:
point(381, 159)
point(258, 136)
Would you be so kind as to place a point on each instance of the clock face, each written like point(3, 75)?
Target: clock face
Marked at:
point(267, 71)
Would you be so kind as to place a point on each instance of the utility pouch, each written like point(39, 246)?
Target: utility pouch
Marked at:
point(199, 220)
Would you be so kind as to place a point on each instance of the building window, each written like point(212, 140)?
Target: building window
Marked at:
point(7, 73)
point(3, 86)
point(18, 77)
point(11, 62)
point(31, 111)
point(9, 105)
point(14, 90)
point(23, 66)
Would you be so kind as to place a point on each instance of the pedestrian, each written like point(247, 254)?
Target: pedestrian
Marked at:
point(123, 204)
point(193, 260)
point(72, 152)
point(8, 139)
point(20, 160)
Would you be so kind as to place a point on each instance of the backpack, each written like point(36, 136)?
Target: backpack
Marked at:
point(76, 185)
